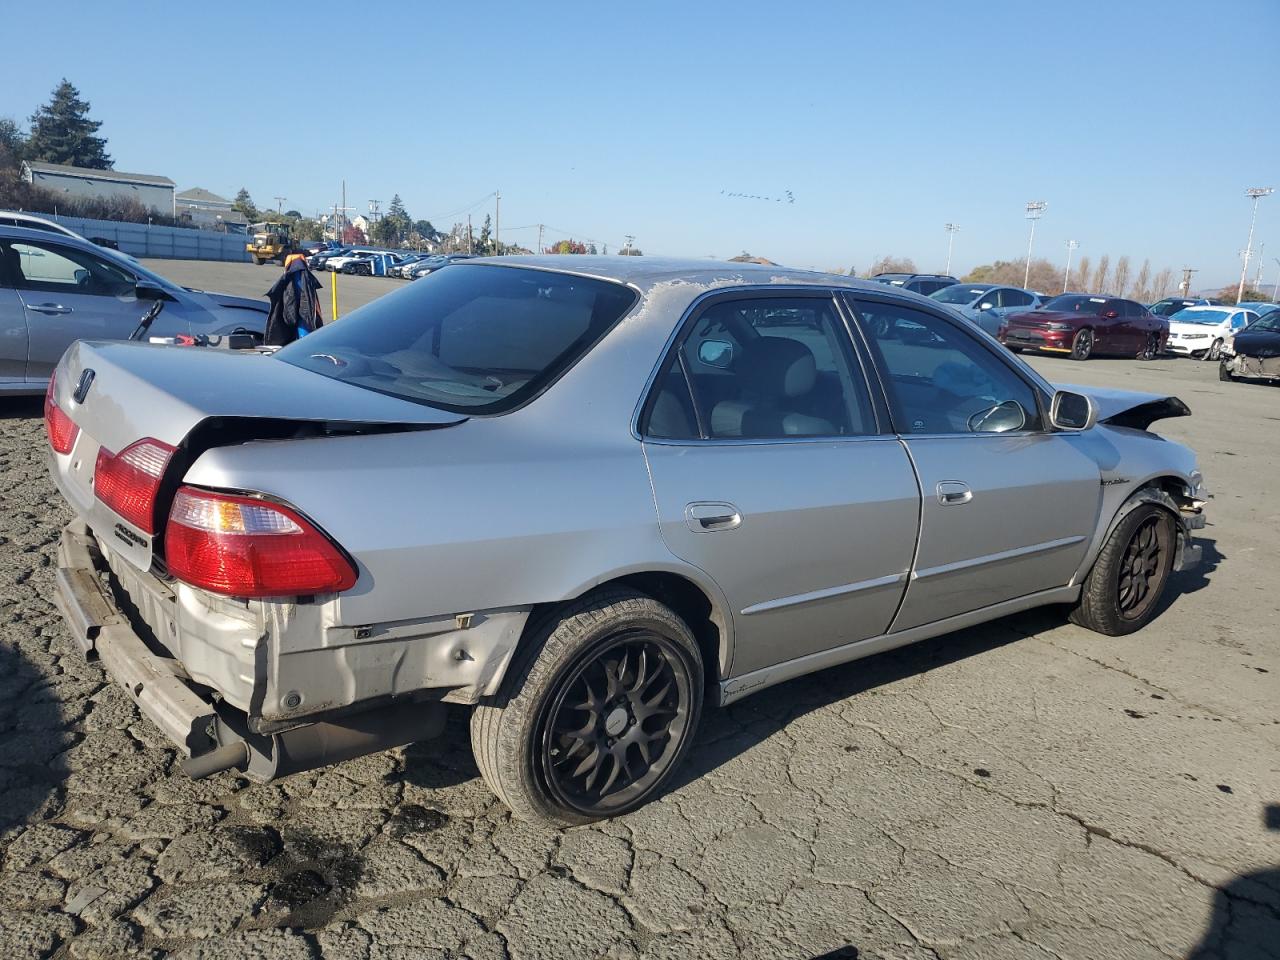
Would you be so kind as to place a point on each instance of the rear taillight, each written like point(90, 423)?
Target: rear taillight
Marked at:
point(60, 428)
point(242, 547)
point(128, 481)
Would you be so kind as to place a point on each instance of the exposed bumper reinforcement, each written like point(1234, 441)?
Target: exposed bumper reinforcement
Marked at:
point(215, 736)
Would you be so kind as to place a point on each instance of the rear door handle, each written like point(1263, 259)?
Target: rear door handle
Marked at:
point(50, 308)
point(706, 516)
point(952, 492)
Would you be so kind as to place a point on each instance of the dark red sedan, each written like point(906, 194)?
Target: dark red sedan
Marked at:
point(1084, 326)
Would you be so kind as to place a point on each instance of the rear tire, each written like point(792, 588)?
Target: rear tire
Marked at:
point(1082, 345)
point(1151, 349)
point(1123, 590)
point(1224, 373)
point(595, 713)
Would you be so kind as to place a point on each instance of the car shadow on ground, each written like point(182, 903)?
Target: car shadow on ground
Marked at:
point(21, 408)
point(32, 736)
point(1245, 921)
point(759, 716)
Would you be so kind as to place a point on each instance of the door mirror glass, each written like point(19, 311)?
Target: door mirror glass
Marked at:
point(716, 353)
point(1001, 418)
point(81, 277)
point(1072, 411)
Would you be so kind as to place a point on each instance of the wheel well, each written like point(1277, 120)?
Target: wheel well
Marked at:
point(690, 603)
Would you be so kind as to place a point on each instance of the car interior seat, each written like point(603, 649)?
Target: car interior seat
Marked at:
point(775, 376)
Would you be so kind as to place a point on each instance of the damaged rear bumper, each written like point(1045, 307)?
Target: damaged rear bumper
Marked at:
point(1252, 368)
point(212, 734)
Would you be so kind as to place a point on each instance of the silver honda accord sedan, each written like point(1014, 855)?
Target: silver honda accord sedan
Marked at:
point(583, 495)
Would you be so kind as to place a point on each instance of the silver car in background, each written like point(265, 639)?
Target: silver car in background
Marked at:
point(55, 289)
point(582, 495)
point(987, 304)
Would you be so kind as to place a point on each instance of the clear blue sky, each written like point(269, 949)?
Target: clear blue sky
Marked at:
point(1141, 123)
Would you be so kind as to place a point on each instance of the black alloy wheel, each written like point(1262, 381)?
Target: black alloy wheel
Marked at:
point(617, 722)
point(1082, 345)
point(1143, 568)
point(1151, 349)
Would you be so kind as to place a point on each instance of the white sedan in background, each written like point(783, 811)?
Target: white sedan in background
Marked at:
point(1201, 331)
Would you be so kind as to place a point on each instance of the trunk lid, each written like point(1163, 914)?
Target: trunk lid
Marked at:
point(192, 398)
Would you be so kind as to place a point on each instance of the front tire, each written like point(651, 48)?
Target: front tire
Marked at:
point(1214, 352)
point(596, 712)
point(1082, 345)
point(1123, 590)
point(1224, 373)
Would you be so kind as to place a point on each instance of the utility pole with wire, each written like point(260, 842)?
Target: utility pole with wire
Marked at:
point(279, 203)
point(497, 222)
point(541, 227)
point(1255, 194)
point(626, 250)
point(952, 229)
point(469, 250)
point(1035, 210)
point(1276, 289)
point(1185, 285)
point(1066, 277)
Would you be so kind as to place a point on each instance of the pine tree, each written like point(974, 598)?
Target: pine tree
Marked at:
point(61, 132)
point(244, 203)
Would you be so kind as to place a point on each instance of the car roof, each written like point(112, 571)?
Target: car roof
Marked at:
point(35, 233)
point(648, 271)
point(1211, 306)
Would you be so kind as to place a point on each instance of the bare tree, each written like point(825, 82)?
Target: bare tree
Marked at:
point(1162, 284)
point(1082, 274)
point(1142, 286)
point(889, 264)
point(1102, 274)
point(1122, 276)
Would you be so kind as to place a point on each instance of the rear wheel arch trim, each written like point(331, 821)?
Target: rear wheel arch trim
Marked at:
point(675, 586)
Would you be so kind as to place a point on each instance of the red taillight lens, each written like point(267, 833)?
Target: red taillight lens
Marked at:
point(60, 428)
point(243, 547)
point(128, 481)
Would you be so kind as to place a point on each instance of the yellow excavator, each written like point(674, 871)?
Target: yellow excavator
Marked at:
point(269, 241)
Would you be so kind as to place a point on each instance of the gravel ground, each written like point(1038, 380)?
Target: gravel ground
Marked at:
point(1023, 789)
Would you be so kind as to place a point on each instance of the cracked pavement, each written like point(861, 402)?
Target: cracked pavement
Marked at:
point(1021, 789)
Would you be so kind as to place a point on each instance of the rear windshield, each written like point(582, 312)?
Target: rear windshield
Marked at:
point(1073, 303)
point(959, 293)
point(472, 339)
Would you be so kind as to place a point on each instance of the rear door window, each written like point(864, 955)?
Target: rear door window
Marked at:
point(762, 369)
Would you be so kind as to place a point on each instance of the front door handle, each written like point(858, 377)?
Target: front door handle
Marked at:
point(952, 492)
point(50, 309)
point(706, 516)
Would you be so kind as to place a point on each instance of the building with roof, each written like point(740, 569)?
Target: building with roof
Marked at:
point(153, 192)
point(208, 211)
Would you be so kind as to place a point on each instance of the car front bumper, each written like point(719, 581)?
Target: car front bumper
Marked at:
point(1054, 341)
point(212, 734)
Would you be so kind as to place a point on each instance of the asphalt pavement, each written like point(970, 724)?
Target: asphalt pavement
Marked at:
point(1021, 789)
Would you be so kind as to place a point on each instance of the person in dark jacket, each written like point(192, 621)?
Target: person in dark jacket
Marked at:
point(295, 307)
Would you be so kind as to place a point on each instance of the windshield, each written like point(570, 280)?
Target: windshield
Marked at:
point(472, 339)
point(958, 293)
point(1268, 324)
point(1073, 303)
point(1209, 318)
point(1167, 308)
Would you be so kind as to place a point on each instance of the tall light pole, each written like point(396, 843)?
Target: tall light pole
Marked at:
point(1255, 194)
point(1276, 288)
point(1066, 277)
point(1035, 210)
point(1257, 277)
point(952, 229)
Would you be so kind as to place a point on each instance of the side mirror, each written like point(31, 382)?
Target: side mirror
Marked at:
point(1072, 411)
point(716, 353)
point(146, 290)
point(1111, 314)
point(985, 305)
